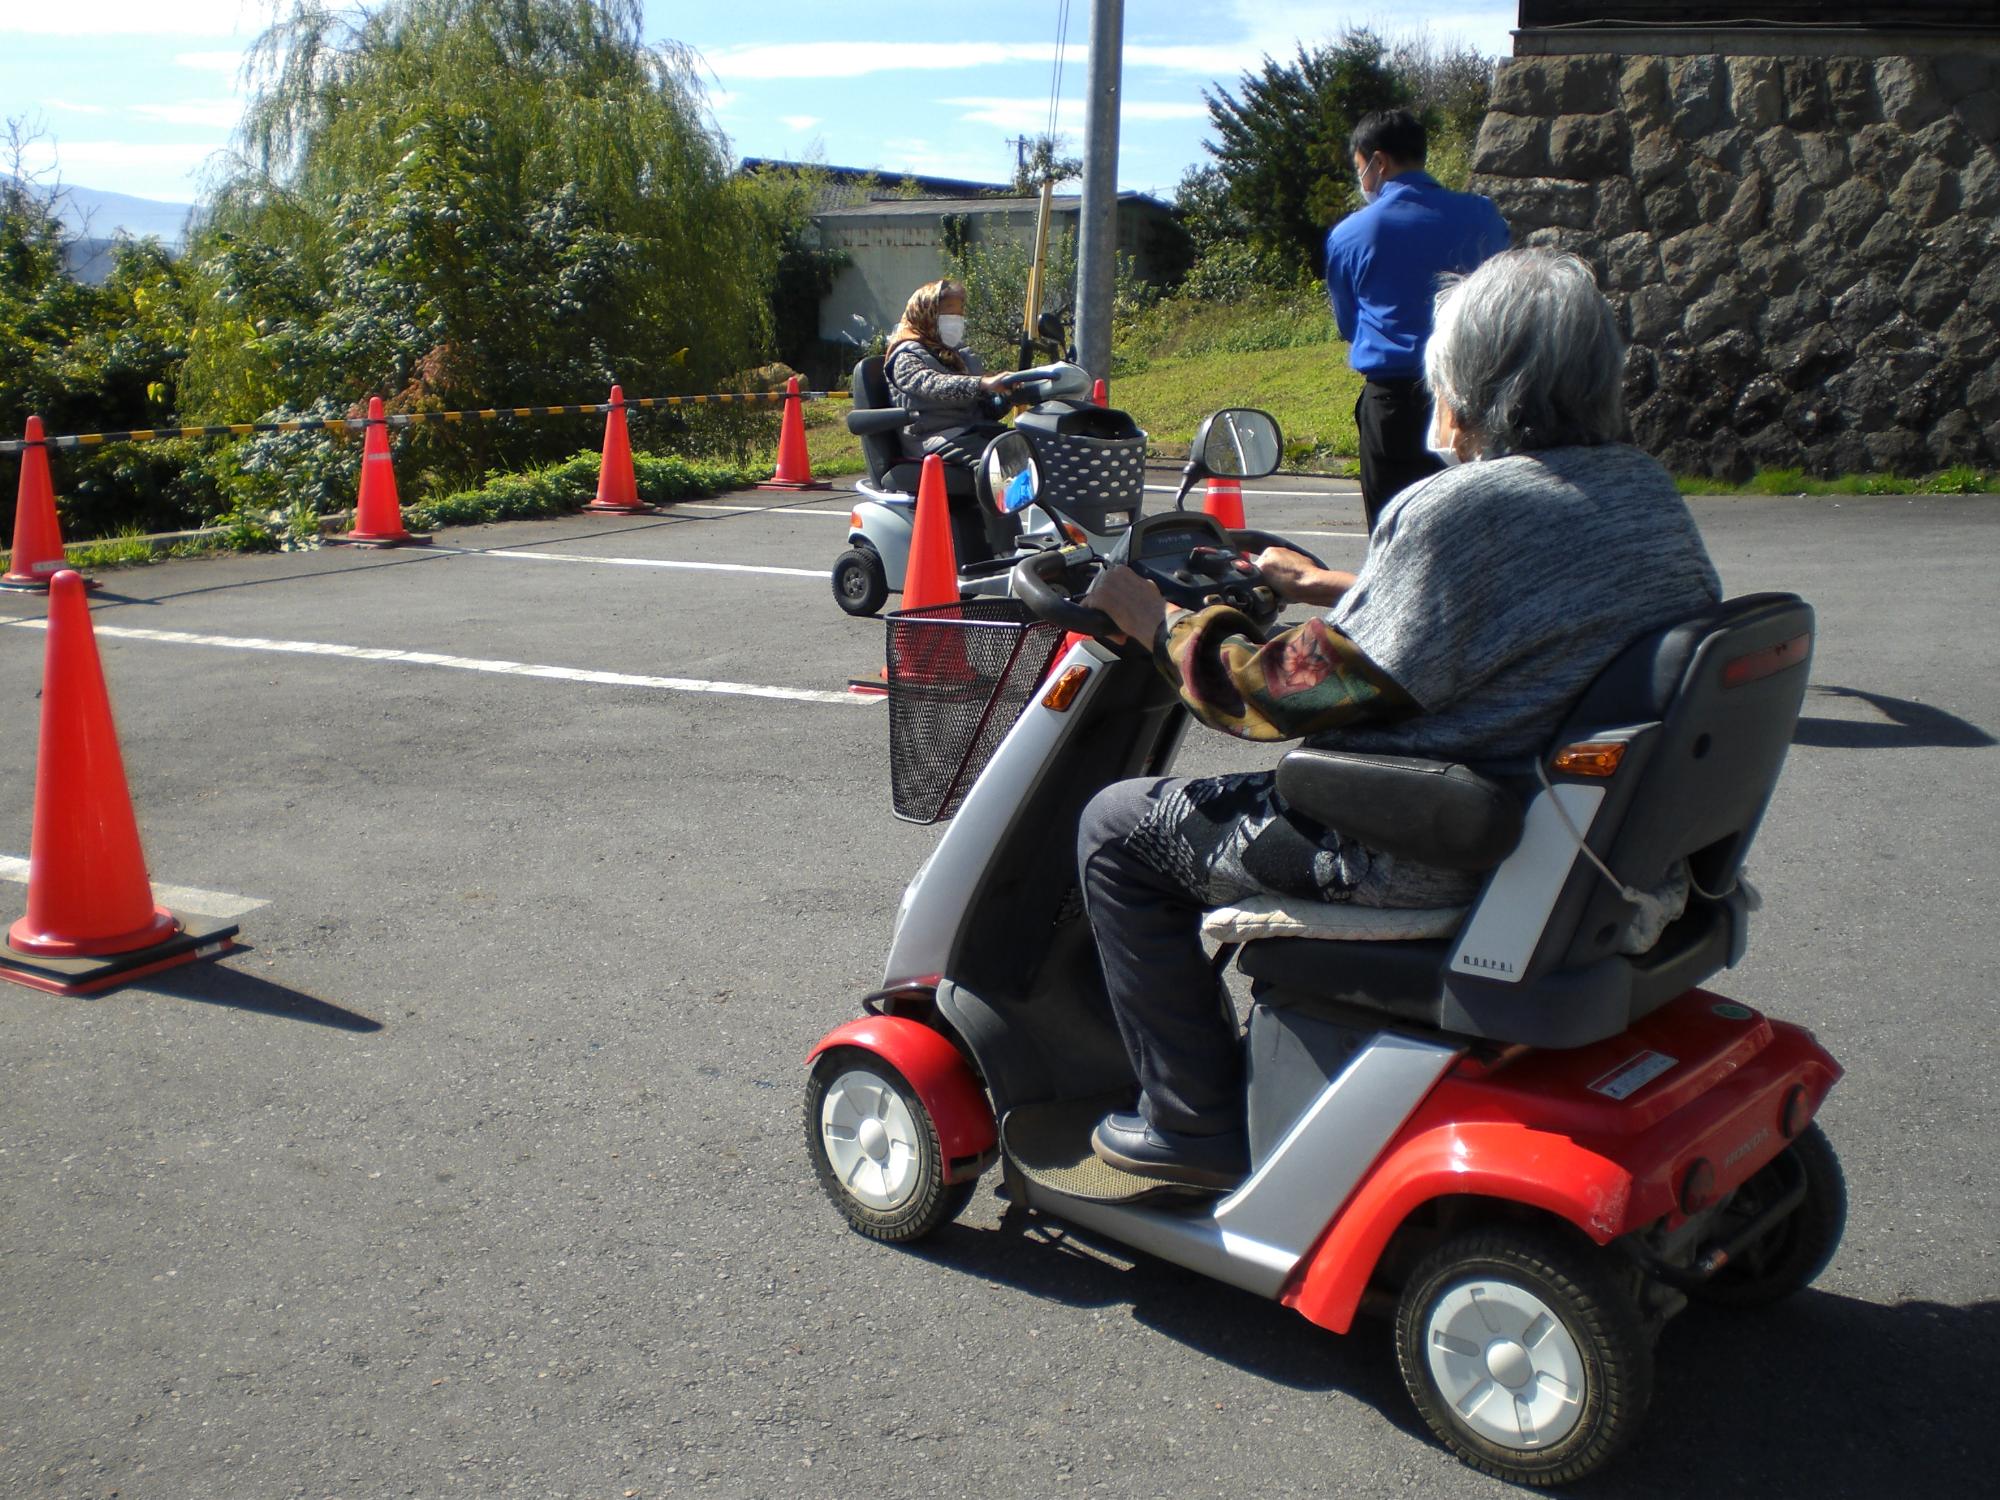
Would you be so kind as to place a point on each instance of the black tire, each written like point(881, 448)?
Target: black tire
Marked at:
point(1600, 1345)
point(904, 1197)
point(859, 584)
point(1789, 1258)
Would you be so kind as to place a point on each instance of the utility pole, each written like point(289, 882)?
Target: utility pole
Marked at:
point(1097, 231)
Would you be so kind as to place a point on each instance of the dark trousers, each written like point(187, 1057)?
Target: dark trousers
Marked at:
point(1165, 993)
point(1393, 418)
point(977, 533)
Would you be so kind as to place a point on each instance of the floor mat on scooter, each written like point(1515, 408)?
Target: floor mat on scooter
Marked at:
point(1050, 1143)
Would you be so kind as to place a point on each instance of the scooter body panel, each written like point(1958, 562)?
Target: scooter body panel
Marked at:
point(884, 521)
point(1255, 1237)
point(942, 1079)
point(1600, 1136)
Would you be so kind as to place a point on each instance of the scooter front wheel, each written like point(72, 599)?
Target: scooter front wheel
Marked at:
point(875, 1149)
point(1523, 1355)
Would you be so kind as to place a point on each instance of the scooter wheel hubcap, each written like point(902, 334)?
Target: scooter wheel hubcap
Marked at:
point(1505, 1363)
point(872, 1140)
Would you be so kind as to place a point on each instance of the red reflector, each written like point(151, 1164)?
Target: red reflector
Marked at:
point(1771, 659)
point(1798, 1112)
point(1698, 1186)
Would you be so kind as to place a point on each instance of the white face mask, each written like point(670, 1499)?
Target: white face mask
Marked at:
point(951, 329)
point(1442, 451)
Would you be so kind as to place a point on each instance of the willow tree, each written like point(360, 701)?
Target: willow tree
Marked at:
point(471, 203)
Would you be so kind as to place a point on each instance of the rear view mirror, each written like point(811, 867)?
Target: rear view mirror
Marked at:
point(1239, 443)
point(1049, 328)
point(1008, 474)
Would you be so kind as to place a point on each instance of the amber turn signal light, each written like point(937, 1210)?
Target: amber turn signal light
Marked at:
point(1590, 758)
point(1062, 693)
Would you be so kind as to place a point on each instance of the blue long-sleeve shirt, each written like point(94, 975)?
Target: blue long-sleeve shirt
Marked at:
point(1383, 265)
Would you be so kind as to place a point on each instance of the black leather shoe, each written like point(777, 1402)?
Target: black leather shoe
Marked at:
point(1129, 1143)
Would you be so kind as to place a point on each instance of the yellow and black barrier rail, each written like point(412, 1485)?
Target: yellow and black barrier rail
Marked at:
point(413, 418)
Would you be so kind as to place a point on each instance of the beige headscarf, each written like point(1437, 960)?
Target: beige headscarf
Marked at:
point(920, 323)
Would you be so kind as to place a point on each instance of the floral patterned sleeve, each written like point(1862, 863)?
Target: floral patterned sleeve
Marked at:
point(1301, 681)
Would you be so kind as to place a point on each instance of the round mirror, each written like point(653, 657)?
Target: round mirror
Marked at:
point(1241, 443)
point(1008, 474)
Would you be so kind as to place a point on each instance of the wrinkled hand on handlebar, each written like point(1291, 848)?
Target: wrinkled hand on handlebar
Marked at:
point(1132, 602)
point(1295, 577)
point(999, 383)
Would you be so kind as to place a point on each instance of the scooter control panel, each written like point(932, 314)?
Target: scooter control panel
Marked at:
point(1190, 560)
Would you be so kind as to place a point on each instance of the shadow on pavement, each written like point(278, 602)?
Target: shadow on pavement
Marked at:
point(1911, 726)
point(1822, 1396)
point(214, 984)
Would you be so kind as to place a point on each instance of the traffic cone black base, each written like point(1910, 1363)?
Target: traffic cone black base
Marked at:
point(197, 938)
point(41, 585)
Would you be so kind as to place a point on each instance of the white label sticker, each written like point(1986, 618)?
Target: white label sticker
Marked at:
point(1625, 1080)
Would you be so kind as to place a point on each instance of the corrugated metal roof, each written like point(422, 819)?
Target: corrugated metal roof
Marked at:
point(932, 207)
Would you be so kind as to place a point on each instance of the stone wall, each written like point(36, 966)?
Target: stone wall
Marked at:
point(1804, 253)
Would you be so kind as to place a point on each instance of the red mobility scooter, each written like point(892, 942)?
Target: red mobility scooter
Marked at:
point(1533, 1142)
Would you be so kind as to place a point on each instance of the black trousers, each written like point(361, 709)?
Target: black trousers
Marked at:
point(1393, 418)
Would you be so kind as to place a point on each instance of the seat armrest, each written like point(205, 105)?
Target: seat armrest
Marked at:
point(877, 419)
point(1431, 811)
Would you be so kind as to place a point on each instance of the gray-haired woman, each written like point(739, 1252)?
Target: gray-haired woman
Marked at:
point(1492, 593)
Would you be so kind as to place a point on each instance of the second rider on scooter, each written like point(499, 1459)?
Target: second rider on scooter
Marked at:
point(929, 377)
point(1492, 594)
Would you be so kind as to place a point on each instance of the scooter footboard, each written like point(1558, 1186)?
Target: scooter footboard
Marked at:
point(1607, 1137)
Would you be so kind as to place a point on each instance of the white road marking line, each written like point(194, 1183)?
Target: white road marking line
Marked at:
point(1168, 489)
point(185, 898)
point(759, 510)
point(1361, 534)
point(464, 663)
point(647, 562)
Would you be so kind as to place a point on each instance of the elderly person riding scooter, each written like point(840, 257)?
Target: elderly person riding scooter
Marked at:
point(1493, 592)
point(928, 375)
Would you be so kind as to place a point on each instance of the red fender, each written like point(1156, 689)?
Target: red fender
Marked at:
point(941, 1077)
point(1481, 1158)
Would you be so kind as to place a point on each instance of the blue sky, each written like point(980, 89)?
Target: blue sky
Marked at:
point(136, 96)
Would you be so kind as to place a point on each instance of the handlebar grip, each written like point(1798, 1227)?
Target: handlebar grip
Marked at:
point(1032, 587)
point(1257, 541)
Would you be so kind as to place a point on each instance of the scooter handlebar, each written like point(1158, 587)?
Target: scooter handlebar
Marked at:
point(1036, 583)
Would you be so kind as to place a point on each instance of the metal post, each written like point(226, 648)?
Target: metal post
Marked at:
point(1097, 231)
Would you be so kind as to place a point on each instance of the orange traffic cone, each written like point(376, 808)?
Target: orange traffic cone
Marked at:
point(1100, 393)
point(37, 552)
point(1224, 501)
point(794, 467)
point(617, 485)
point(91, 917)
point(932, 574)
point(378, 515)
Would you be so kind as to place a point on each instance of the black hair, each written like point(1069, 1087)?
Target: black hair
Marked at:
point(1396, 133)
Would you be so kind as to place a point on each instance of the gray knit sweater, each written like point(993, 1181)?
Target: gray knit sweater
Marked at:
point(942, 399)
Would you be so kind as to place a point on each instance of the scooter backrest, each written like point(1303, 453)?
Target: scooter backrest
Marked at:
point(881, 450)
point(1709, 707)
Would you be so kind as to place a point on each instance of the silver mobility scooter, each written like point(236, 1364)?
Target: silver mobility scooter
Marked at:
point(1093, 455)
point(1522, 1124)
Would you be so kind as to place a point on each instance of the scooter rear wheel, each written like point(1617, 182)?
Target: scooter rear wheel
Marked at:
point(875, 1149)
point(1526, 1358)
point(1790, 1257)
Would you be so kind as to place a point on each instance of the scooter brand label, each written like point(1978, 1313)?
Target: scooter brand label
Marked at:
point(1729, 1010)
point(1625, 1080)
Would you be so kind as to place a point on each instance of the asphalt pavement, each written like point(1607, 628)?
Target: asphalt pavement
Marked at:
point(480, 1170)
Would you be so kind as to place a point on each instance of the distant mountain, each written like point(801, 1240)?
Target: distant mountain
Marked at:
point(97, 215)
point(95, 219)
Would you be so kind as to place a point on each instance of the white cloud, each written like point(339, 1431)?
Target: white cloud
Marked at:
point(799, 122)
point(230, 63)
point(137, 18)
point(206, 112)
point(1033, 114)
point(154, 158)
point(858, 59)
point(69, 107)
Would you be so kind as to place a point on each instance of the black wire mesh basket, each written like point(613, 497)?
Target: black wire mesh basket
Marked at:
point(959, 676)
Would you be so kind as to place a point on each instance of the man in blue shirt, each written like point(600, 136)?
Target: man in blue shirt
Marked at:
point(1383, 264)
